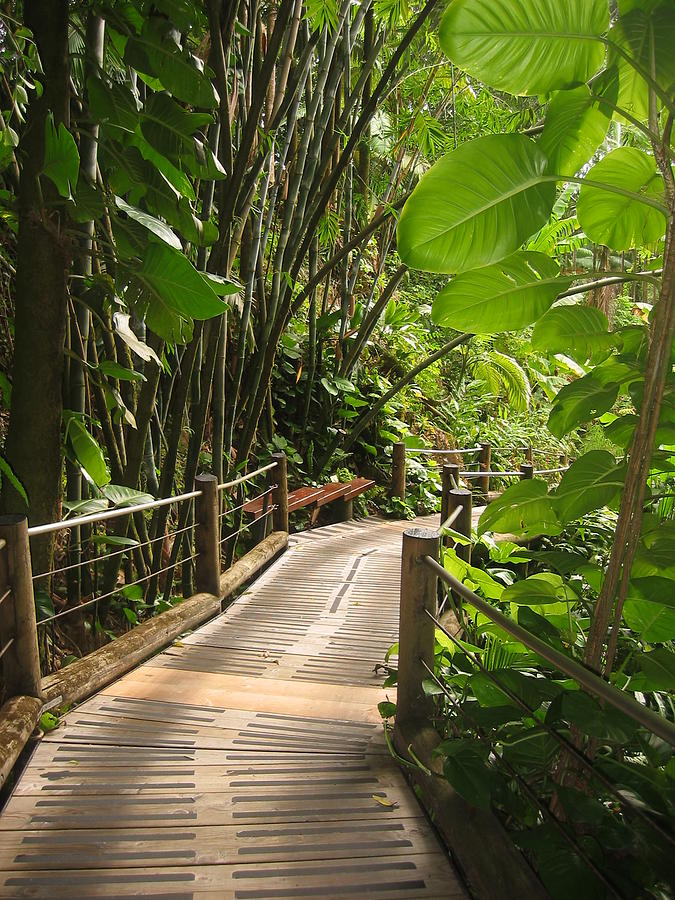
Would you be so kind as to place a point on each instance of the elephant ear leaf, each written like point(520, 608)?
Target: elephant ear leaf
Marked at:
point(576, 124)
point(526, 46)
point(592, 481)
point(505, 296)
point(620, 205)
point(524, 509)
point(476, 205)
point(62, 160)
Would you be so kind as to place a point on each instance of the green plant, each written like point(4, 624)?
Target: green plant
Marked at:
point(472, 216)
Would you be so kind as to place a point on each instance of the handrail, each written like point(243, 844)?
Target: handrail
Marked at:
point(247, 477)
point(439, 452)
point(452, 517)
point(107, 514)
point(488, 472)
point(512, 473)
point(573, 669)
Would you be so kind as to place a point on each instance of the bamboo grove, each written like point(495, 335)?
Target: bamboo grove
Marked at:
point(180, 181)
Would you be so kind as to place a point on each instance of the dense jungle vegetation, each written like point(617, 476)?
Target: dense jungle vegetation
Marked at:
point(321, 227)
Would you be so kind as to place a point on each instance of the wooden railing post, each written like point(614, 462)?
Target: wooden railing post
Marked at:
point(526, 471)
point(280, 493)
point(21, 661)
point(564, 459)
point(207, 533)
point(462, 524)
point(530, 454)
point(416, 629)
point(398, 470)
point(449, 481)
point(485, 459)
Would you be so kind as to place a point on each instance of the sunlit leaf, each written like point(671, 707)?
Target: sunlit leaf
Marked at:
point(476, 205)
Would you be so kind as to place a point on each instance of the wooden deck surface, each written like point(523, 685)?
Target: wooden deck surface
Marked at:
point(245, 761)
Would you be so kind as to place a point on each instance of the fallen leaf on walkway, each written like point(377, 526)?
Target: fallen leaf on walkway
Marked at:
point(384, 802)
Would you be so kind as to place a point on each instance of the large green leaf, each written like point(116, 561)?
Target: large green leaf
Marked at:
point(657, 671)
point(161, 229)
point(592, 481)
point(654, 588)
point(157, 53)
point(120, 495)
point(576, 331)
point(465, 767)
point(616, 219)
point(654, 622)
point(171, 292)
point(523, 509)
point(113, 106)
point(61, 161)
point(537, 590)
point(526, 46)
point(502, 297)
point(586, 713)
point(169, 128)
point(576, 124)
point(646, 37)
point(476, 205)
point(581, 401)
point(88, 453)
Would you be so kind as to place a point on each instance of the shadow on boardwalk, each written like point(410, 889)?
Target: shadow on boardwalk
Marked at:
point(246, 761)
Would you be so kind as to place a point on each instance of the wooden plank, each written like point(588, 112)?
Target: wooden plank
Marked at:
point(213, 845)
point(262, 695)
point(423, 875)
point(192, 807)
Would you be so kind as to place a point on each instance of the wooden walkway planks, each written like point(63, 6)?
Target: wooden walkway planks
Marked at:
point(247, 760)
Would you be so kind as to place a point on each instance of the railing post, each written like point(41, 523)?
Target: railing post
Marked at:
point(22, 659)
point(280, 493)
point(398, 470)
point(449, 480)
point(207, 544)
point(526, 471)
point(485, 459)
point(416, 629)
point(459, 497)
point(564, 459)
point(530, 454)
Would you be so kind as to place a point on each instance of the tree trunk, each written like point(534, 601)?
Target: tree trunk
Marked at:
point(33, 446)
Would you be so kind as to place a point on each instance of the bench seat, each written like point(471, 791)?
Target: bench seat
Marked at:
point(315, 497)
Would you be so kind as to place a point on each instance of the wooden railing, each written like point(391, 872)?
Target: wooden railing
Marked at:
point(453, 472)
point(204, 547)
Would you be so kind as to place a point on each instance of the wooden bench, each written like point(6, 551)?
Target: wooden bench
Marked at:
point(316, 497)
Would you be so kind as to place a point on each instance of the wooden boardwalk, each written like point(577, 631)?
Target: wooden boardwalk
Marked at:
point(247, 760)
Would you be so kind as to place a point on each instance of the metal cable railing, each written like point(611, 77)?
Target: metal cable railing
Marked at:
point(247, 502)
point(593, 683)
point(137, 545)
point(94, 577)
point(248, 525)
point(248, 477)
point(109, 514)
point(523, 785)
point(6, 647)
point(424, 451)
point(510, 473)
point(117, 590)
point(559, 738)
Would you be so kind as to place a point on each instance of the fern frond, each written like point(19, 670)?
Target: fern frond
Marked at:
point(515, 383)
